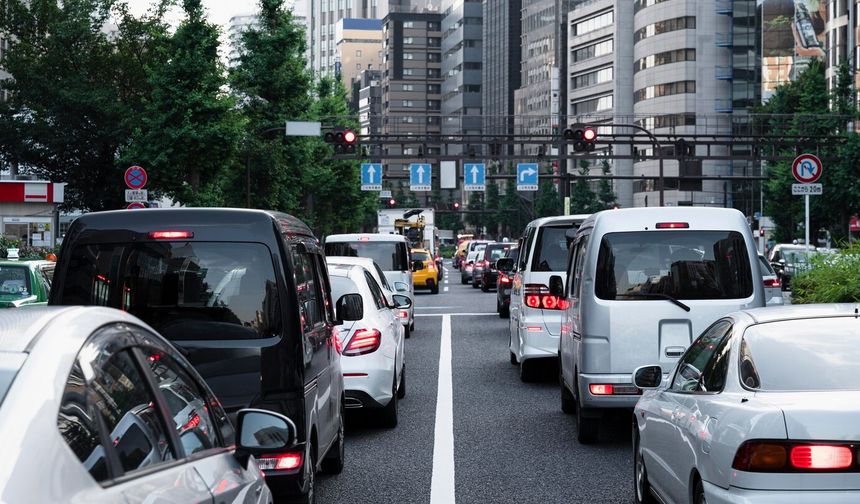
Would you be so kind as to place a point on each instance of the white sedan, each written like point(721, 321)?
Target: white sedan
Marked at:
point(372, 340)
point(764, 407)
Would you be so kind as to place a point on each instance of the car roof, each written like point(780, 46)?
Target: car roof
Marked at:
point(147, 218)
point(640, 219)
point(20, 328)
point(345, 270)
point(798, 312)
point(559, 219)
point(337, 238)
point(420, 250)
point(365, 262)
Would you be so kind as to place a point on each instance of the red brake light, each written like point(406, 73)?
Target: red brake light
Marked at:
point(821, 457)
point(533, 301)
point(504, 279)
point(672, 225)
point(364, 238)
point(772, 282)
point(284, 462)
point(600, 389)
point(192, 423)
point(538, 296)
point(364, 341)
point(170, 235)
point(402, 314)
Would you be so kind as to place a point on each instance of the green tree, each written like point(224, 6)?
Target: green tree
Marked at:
point(547, 203)
point(492, 204)
point(190, 133)
point(476, 204)
point(605, 196)
point(515, 212)
point(582, 198)
point(272, 84)
point(76, 93)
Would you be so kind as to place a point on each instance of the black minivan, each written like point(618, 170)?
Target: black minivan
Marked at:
point(245, 295)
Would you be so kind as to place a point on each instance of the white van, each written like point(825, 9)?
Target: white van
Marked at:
point(642, 284)
point(391, 253)
point(535, 315)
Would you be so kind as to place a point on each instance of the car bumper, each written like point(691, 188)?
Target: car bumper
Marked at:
point(372, 390)
point(537, 342)
point(426, 283)
point(490, 277)
point(733, 495)
point(590, 400)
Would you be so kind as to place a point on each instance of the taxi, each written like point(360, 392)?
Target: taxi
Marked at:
point(424, 271)
point(25, 282)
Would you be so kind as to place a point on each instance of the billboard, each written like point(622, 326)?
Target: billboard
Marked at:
point(793, 33)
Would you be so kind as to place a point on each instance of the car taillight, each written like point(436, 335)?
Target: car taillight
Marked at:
point(402, 314)
point(672, 225)
point(504, 279)
point(792, 457)
point(283, 462)
point(538, 296)
point(170, 235)
point(772, 282)
point(600, 389)
point(364, 341)
point(192, 423)
point(431, 266)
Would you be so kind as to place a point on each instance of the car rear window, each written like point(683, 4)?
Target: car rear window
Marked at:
point(391, 256)
point(551, 249)
point(682, 264)
point(420, 256)
point(340, 286)
point(185, 290)
point(14, 282)
point(802, 355)
point(493, 252)
point(766, 268)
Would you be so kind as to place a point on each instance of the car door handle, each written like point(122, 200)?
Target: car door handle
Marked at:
point(674, 351)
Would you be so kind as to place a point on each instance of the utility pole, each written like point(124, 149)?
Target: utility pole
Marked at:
point(562, 7)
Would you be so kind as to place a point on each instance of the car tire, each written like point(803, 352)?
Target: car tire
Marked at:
point(641, 487)
point(464, 280)
point(568, 402)
point(475, 284)
point(406, 332)
point(401, 390)
point(587, 429)
point(389, 412)
point(528, 371)
point(333, 461)
point(485, 287)
point(434, 289)
point(310, 465)
point(699, 492)
point(505, 312)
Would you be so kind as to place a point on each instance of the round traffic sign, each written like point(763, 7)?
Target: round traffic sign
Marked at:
point(135, 177)
point(806, 168)
point(136, 205)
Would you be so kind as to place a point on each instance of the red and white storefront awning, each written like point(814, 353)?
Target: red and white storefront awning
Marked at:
point(31, 191)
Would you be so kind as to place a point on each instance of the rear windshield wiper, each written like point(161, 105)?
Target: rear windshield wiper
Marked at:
point(655, 296)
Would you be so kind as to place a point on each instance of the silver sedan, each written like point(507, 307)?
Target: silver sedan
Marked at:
point(96, 407)
point(764, 407)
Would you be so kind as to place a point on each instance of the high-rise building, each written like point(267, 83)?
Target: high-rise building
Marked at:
point(600, 78)
point(501, 30)
point(461, 69)
point(358, 47)
point(411, 80)
point(323, 17)
point(238, 25)
point(4, 48)
point(367, 99)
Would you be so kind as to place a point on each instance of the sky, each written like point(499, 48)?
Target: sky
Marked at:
point(220, 11)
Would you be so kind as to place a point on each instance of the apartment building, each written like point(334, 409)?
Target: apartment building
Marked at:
point(358, 47)
point(501, 55)
point(462, 64)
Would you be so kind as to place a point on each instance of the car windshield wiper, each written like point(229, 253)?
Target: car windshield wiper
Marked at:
point(656, 296)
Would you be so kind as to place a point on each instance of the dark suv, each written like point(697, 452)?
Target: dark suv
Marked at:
point(244, 294)
point(489, 273)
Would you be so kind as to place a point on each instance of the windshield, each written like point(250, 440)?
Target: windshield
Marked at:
point(390, 255)
point(551, 249)
point(811, 354)
point(14, 282)
point(797, 256)
point(680, 264)
point(341, 286)
point(420, 256)
point(185, 290)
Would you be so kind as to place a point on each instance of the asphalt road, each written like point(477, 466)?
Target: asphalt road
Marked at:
point(511, 442)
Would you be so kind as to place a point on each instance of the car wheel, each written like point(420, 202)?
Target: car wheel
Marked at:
point(528, 371)
point(434, 289)
point(464, 280)
point(401, 390)
point(587, 429)
point(699, 493)
point(568, 403)
point(475, 284)
point(412, 326)
point(389, 412)
point(333, 461)
point(505, 312)
point(406, 332)
point(485, 287)
point(310, 497)
point(641, 487)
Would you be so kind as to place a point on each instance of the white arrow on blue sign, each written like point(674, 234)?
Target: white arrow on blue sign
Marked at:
point(371, 177)
point(527, 177)
point(420, 175)
point(474, 177)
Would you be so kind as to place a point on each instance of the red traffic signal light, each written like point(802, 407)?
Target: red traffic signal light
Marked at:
point(583, 138)
point(589, 134)
point(349, 136)
point(456, 205)
point(344, 140)
point(392, 202)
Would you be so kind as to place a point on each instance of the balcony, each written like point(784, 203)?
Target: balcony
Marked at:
point(723, 39)
point(725, 7)
point(723, 105)
point(724, 73)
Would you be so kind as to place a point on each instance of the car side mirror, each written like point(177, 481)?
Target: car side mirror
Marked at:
point(402, 302)
point(556, 286)
point(505, 264)
point(648, 377)
point(262, 432)
point(781, 261)
point(350, 307)
point(417, 265)
point(401, 287)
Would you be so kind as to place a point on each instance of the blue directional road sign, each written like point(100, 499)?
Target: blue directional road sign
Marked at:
point(371, 177)
point(474, 177)
point(527, 177)
point(420, 175)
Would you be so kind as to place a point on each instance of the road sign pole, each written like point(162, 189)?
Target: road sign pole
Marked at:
point(806, 198)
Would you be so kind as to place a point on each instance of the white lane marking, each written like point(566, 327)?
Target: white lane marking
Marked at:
point(446, 288)
point(485, 314)
point(442, 489)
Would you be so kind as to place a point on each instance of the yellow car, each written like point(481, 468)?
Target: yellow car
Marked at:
point(424, 274)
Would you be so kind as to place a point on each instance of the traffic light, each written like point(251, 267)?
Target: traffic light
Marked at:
point(392, 203)
point(456, 205)
point(583, 137)
point(344, 140)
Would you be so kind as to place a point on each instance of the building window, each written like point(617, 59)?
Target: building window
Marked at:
point(667, 89)
point(592, 105)
point(408, 87)
point(409, 24)
point(408, 56)
point(667, 121)
point(665, 58)
point(594, 23)
point(592, 78)
point(641, 4)
point(358, 53)
point(669, 25)
point(592, 51)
